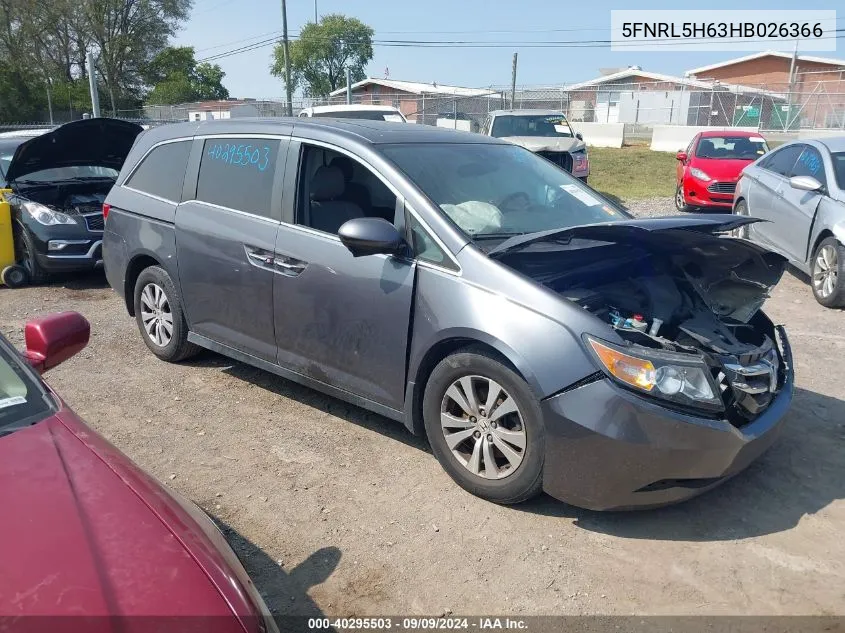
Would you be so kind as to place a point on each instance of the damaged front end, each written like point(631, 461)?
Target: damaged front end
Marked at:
point(685, 302)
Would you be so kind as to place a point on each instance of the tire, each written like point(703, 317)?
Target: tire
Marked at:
point(157, 305)
point(464, 456)
point(741, 209)
point(36, 275)
point(14, 276)
point(827, 273)
point(680, 203)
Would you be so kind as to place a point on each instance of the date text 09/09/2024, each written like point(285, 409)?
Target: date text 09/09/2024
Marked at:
point(418, 624)
point(688, 30)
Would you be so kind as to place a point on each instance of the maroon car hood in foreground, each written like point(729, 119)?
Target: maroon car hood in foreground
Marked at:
point(85, 533)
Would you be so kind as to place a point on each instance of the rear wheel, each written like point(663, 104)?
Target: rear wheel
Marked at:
point(160, 318)
point(828, 273)
point(485, 427)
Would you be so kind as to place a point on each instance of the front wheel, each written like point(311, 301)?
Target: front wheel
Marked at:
point(161, 320)
point(741, 209)
point(28, 259)
point(828, 273)
point(485, 427)
point(680, 203)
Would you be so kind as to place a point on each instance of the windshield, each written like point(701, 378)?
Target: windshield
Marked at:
point(531, 125)
point(497, 191)
point(839, 168)
point(732, 147)
point(21, 399)
point(370, 115)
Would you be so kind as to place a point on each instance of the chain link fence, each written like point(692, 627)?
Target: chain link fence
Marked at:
point(814, 101)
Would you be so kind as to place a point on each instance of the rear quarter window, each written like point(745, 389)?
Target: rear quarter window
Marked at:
point(237, 173)
point(162, 171)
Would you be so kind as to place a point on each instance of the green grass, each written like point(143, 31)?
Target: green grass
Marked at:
point(632, 173)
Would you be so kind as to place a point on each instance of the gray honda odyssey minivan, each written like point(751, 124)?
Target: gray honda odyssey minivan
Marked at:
point(540, 337)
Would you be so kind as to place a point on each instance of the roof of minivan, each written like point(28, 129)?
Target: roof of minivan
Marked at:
point(526, 112)
point(375, 132)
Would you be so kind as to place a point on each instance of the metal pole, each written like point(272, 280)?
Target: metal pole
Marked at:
point(92, 85)
point(50, 100)
point(791, 85)
point(513, 81)
point(348, 85)
point(455, 112)
point(288, 101)
point(315, 11)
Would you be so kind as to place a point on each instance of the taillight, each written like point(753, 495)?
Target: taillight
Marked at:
point(106, 209)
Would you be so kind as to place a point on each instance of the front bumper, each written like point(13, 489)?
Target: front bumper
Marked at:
point(610, 449)
point(83, 248)
point(698, 194)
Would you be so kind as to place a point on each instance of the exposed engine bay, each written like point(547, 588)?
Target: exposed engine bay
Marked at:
point(71, 198)
point(687, 293)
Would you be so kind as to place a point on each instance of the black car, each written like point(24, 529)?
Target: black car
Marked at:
point(59, 181)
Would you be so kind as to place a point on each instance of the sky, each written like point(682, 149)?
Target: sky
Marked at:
point(217, 26)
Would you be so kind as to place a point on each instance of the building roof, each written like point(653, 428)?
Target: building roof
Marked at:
point(418, 87)
point(622, 75)
point(748, 58)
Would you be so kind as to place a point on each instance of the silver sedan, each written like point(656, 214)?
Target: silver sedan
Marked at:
point(800, 189)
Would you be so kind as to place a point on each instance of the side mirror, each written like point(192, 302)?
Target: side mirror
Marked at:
point(805, 183)
point(682, 156)
point(371, 236)
point(53, 339)
point(579, 136)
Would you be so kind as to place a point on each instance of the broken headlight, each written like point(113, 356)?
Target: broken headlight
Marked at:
point(678, 378)
point(46, 215)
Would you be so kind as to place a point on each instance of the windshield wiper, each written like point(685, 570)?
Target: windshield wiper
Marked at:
point(494, 236)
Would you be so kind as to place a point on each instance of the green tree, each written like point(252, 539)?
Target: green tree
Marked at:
point(208, 82)
point(128, 35)
point(176, 78)
point(323, 52)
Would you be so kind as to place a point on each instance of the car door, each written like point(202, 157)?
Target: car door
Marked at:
point(340, 319)
point(225, 238)
point(766, 193)
point(794, 212)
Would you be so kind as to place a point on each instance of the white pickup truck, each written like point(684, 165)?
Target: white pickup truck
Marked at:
point(544, 132)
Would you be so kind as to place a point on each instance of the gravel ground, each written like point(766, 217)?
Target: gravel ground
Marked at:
point(341, 512)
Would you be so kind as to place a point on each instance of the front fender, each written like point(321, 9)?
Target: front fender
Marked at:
point(830, 216)
point(549, 355)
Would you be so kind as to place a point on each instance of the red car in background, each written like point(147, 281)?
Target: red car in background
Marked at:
point(86, 533)
point(707, 172)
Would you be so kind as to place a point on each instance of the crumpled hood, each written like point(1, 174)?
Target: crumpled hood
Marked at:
point(547, 143)
point(732, 276)
point(78, 541)
point(90, 142)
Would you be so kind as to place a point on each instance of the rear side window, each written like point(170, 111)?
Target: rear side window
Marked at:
point(782, 160)
point(162, 172)
point(237, 173)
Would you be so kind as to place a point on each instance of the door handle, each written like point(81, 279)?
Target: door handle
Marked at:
point(259, 257)
point(289, 266)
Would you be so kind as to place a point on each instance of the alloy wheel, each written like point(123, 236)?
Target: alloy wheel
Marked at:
point(483, 427)
point(825, 271)
point(680, 203)
point(156, 315)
